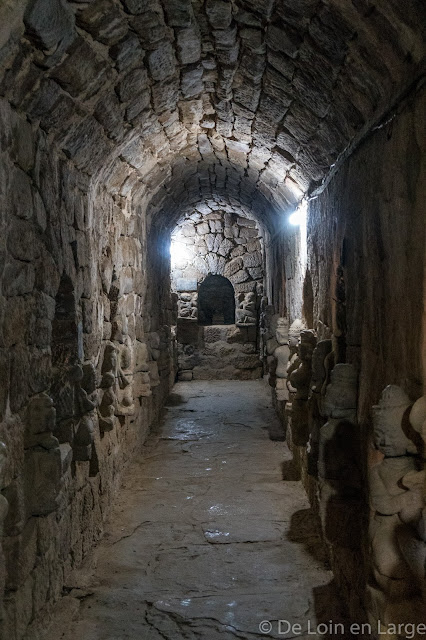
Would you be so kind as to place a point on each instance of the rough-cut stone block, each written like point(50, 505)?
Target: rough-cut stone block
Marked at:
point(215, 333)
point(239, 276)
point(103, 21)
point(19, 278)
point(219, 13)
point(179, 13)
point(188, 46)
point(165, 95)
point(133, 84)
point(162, 62)
point(51, 24)
point(82, 71)
point(87, 145)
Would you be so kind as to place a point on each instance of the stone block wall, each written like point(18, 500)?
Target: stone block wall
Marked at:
point(207, 243)
point(85, 365)
point(218, 352)
point(350, 388)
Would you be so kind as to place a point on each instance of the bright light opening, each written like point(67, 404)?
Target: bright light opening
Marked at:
point(179, 253)
point(298, 218)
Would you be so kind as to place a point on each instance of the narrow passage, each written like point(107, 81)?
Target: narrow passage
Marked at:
point(210, 536)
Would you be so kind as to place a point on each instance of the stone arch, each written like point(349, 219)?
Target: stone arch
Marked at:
point(216, 301)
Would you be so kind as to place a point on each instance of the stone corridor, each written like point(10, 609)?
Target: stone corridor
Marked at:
point(211, 534)
point(227, 194)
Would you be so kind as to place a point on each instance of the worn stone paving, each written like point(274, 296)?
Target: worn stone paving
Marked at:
point(211, 533)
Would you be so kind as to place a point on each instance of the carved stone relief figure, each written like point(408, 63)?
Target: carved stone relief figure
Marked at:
point(125, 404)
point(397, 499)
point(246, 311)
point(340, 487)
point(108, 404)
point(299, 382)
point(282, 355)
point(83, 440)
point(293, 342)
point(141, 380)
point(43, 461)
point(319, 380)
point(83, 404)
point(300, 378)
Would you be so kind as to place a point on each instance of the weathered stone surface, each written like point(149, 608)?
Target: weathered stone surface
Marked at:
point(253, 467)
point(51, 24)
point(103, 21)
point(147, 113)
point(161, 62)
point(82, 71)
point(19, 278)
point(213, 257)
point(188, 46)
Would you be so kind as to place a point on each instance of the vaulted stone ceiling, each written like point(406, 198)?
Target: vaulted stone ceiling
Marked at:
point(252, 100)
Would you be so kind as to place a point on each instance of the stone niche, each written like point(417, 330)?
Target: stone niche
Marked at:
point(217, 274)
point(216, 301)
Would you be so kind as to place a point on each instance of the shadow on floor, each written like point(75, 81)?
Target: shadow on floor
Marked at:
point(289, 471)
point(330, 610)
point(174, 400)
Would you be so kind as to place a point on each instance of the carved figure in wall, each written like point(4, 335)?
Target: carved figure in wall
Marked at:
point(40, 423)
point(293, 342)
point(154, 342)
point(125, 401)
point(281, 354)
point(319, 379)
point(319, 369)
point(397, 497)
point(70, 391)
point(83, 404)
point(83, 441)
point(246, 311)
point(108, 404)
point(300, 378)
point(141, 380)
point(43, 464)
point(282, 331)
point(88, 382)
point(299, 382)
point(340, 399)
point(339, 404)
point(267, 327)
point(340, 486)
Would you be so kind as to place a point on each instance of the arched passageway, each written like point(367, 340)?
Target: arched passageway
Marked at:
point(123, 122)
point(216, 301)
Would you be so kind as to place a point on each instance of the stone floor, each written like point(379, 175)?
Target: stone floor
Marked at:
point(210, 536)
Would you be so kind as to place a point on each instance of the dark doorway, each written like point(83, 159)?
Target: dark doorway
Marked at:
point(216, 301)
